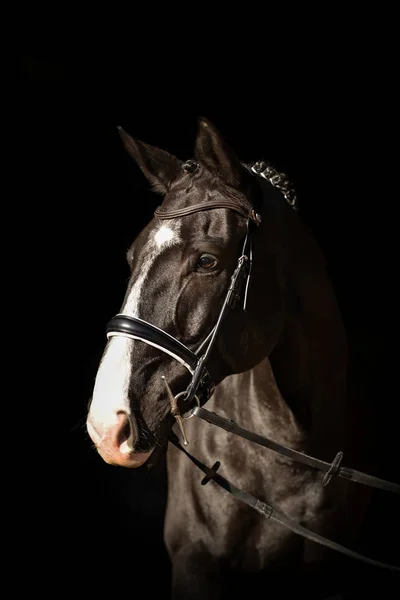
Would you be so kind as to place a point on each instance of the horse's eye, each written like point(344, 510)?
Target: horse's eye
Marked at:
point(207, 262)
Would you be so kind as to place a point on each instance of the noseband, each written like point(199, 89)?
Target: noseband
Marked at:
point(201, 386)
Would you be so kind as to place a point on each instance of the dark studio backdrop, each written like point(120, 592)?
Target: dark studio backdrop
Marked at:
point(85, 201)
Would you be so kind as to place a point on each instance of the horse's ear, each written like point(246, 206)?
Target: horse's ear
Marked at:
point(216, 155)
point(158, 166)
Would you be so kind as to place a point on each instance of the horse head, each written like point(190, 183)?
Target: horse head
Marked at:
point(181, 267)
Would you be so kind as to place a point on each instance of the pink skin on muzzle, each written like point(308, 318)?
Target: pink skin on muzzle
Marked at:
point(113, 445)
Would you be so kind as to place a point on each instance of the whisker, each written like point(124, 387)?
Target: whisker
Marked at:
point(80, 424)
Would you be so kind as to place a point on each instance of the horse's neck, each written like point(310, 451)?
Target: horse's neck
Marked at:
point(310, 359)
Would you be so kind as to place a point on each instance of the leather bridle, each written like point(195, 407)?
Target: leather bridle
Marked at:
point(201, 386)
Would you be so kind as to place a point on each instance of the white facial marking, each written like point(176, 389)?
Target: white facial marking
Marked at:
point(111, 390)
point(111, 387)
point(163, 235)
point(163, 238)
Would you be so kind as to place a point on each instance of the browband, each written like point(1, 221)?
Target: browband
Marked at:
point(182, 212)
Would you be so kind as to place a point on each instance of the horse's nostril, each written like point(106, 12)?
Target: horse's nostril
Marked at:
point(125, 430)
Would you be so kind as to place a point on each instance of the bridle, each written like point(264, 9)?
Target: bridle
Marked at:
point(201, 385)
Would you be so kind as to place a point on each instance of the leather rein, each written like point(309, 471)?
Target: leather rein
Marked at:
point(201, 386)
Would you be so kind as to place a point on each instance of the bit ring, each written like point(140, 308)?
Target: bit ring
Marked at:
point(191, 409)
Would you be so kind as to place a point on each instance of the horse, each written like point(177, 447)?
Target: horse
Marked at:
point(276, 361)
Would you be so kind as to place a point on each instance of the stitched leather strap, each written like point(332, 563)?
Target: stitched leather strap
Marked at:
point(137, 329)
point(183, 212)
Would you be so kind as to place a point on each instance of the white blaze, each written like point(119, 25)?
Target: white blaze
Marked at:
point(163, 237)
point(111, 389)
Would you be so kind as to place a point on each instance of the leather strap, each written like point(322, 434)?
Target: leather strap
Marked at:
point(137, 329)
point(142, 330)
point(189, 210)
point(331, 469)
point(267, 511)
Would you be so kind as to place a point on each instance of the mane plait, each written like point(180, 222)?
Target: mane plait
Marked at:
point(277, 179)
point(267, 171)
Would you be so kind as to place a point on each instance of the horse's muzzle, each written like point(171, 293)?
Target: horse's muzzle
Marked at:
point(115, 444)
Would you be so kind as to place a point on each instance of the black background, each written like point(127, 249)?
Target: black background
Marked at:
point(81, 201)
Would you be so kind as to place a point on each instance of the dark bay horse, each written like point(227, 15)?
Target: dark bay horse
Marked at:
point(278, 368)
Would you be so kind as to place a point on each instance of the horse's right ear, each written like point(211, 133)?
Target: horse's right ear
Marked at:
point(158, 166)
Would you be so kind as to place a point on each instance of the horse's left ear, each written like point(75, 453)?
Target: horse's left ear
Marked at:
point(216, 155)
point(158, 166)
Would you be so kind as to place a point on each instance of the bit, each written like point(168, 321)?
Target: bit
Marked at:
point(175, 411)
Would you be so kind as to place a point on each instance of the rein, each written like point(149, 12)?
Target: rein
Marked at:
point(201, 386)
point(330, 469)
point(267, 511)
